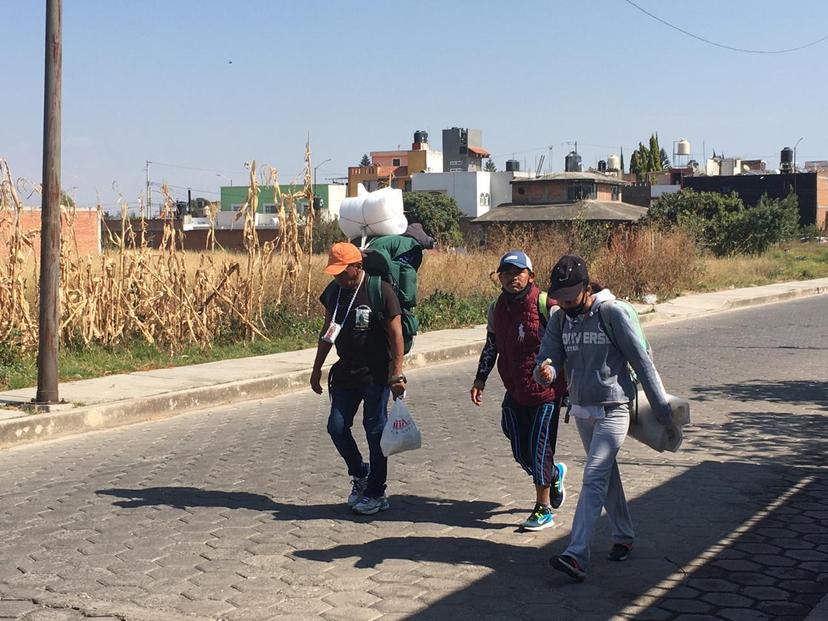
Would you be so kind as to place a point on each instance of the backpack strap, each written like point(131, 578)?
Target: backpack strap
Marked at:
point(374, 286)
point(543, 309)
point(605, 324)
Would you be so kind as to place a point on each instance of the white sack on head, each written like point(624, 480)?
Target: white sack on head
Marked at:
point(373, 213)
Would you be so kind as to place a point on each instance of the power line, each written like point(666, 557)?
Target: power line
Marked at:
point(210, 170)
point(726, 47)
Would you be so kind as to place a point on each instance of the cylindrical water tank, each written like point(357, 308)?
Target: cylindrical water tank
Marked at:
point(572, 162)
point(420, 136)
point(683, 147)
point(786, 156)
point(614, 162)
point(602, 166)
point(512, 166)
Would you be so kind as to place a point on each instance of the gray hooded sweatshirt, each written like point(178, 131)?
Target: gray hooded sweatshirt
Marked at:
point(596, 371)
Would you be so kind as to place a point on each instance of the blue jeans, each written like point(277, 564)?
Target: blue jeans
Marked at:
point(344, 405)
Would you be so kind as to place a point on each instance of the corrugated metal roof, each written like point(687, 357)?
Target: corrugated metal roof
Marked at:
point(585, 210)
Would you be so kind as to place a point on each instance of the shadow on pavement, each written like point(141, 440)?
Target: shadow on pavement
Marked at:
point(795, 392)
point(775, 568)
point(454, 513)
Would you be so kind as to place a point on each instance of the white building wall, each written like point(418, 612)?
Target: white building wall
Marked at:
point(471, 190)
point(501, 185)
point(434, 161)
point(336, 194)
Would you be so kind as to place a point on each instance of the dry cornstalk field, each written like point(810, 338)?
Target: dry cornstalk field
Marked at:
point(153, 294)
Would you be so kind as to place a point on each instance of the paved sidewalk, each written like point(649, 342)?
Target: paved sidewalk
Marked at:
point(147, 395)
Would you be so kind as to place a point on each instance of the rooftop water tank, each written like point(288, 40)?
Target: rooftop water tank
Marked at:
point(602, 166)
point(572, 162)
point(512, 166)
point(683, 147)
point(420, 136)
point(613, 162)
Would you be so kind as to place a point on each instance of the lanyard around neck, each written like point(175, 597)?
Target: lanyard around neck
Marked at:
point(353, 297)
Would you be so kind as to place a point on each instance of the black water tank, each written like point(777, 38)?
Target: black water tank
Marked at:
point(786, 156)
point(420, 136)
point(572, 162)
point(602, 166)
point(512, 166)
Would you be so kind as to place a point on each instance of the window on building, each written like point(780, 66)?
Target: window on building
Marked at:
point(580, 190)
point(269, 208)
point(395, 162)
point(616, 192)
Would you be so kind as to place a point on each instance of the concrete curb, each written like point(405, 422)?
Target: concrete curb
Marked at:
point(35, 427)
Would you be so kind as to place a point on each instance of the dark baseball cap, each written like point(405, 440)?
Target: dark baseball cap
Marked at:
point(518, 258)
point(569, 278)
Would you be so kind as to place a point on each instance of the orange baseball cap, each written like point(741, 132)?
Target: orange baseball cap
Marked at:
point(342, 255)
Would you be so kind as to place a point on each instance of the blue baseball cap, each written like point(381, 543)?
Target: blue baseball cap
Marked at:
point(517, 258)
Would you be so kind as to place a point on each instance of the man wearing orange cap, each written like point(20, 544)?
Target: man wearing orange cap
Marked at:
point(369, 343)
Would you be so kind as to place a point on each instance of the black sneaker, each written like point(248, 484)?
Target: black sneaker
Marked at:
point(569, 566)
point(620, 552)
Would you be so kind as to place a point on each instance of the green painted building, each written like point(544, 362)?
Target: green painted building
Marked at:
point(233, 197)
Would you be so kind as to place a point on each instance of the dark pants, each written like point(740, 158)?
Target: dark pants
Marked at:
point(533, 432)
point(344, 405)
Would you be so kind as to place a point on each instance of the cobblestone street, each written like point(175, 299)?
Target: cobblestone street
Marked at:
point(238, 512)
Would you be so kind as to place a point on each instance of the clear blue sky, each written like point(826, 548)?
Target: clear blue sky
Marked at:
point(152, 80)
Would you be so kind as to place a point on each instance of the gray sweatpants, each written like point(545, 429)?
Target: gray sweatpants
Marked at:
point(602, 439)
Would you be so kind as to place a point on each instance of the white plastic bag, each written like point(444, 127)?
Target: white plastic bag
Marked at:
point(646, 429)
point(400, 432)
point(373, 213)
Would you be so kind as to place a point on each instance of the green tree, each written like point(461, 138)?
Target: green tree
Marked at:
point(655, 154)
point(490, 166)
point(365, 161)
point(438, 213)
point(665, 159)
point(723, 224)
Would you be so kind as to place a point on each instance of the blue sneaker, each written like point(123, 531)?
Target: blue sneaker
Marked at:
point(539, 519)
point(370, 506)
point(558, 491)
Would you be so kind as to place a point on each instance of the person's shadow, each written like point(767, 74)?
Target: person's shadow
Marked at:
point(457, 513)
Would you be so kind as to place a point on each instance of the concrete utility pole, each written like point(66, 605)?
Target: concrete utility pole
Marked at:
point(49, 318)
point(149, 191)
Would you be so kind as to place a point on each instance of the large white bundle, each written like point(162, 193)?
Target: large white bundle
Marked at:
point(373, 213)
point(646, 429)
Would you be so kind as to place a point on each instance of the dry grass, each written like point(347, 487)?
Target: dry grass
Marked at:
point(165, 296)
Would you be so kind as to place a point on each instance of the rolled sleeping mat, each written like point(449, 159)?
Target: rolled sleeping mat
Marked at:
point(645, 428)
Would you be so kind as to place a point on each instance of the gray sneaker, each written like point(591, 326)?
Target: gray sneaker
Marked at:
point(370, 506)
point(358, 486)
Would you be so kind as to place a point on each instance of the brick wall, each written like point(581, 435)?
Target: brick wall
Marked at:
point(538, 193)
point(86, 231)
